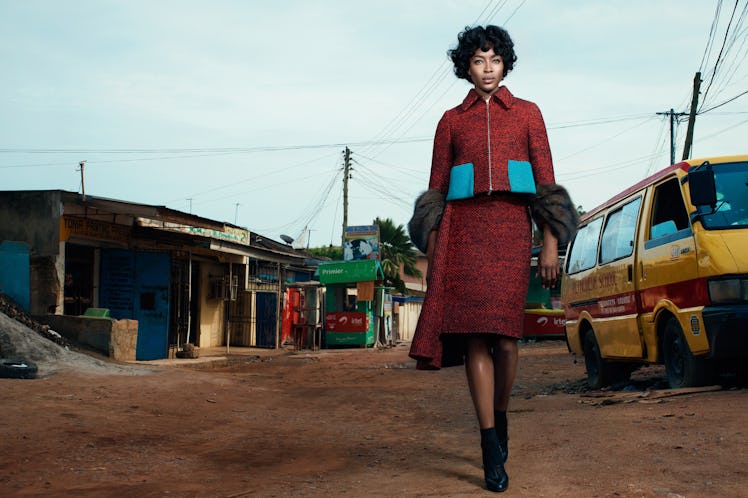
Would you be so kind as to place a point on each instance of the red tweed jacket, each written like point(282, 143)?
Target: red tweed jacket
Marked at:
point(489, 134)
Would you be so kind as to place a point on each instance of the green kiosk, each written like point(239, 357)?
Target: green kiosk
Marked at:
point(353, 293)
point(543, 314)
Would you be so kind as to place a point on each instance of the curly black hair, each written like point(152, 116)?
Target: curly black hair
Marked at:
point(490, 37)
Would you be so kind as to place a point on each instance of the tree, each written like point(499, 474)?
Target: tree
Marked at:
point(335, 253)
point(396, 249)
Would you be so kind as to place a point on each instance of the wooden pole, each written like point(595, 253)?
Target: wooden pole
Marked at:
point(692, 116)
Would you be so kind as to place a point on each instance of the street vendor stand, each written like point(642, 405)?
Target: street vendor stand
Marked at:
point(302, 315)
point(354, 300)
point(544, 316)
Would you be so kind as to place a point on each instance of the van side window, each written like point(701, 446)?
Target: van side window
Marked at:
point(618, 234)
point(583, 252)
point(669, 213)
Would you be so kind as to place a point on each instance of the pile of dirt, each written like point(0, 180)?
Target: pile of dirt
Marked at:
point(14, 311)
point(21, 337)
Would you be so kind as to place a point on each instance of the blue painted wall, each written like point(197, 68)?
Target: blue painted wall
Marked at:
point(14, 272)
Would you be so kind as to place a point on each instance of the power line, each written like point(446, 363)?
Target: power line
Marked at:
point(710, 38)
point(488, 5)
point(107, 161)
point(596, 121)
point(608, 139)
point(238, 150)
point(514, 12)
point(495, 10)
point(719, 55)
point(372, 182)
point(604, 170)
point(417, 174)
point(720, 132)
point(254, 178)
point(723, 103)
point(314, 209)
point(733, 63)
point(434, 81)
point(243, 192)
point(658, 149)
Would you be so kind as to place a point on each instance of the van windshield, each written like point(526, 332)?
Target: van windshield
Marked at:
point(732, 198)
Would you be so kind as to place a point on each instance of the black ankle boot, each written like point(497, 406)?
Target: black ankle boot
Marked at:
point(502, 431)
point(493, 465)
point(504, 450)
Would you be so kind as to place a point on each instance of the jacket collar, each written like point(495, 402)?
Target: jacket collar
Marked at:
point(502, 96)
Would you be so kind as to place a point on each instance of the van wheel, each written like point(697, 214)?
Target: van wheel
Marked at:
point(599, 372)
point(682, 367)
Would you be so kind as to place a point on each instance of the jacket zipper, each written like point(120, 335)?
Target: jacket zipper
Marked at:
point(488, 136)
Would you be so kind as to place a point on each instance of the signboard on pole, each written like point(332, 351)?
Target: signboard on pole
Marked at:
point(338, 272)
point(361, 242)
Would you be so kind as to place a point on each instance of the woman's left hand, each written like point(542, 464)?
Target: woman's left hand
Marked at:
point(548, 268)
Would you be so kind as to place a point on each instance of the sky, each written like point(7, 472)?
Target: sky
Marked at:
point(240, 111)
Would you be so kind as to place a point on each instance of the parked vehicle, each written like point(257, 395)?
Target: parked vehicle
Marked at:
point(659, 274)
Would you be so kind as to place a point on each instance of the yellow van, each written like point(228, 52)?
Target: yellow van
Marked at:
point(659, 274)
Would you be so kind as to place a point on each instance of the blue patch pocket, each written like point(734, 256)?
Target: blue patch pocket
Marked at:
point(521, 179)
point(461, 182)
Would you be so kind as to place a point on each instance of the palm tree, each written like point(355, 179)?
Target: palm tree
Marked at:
point(396, 249)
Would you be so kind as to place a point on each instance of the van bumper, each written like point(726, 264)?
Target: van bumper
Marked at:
point(727, 331)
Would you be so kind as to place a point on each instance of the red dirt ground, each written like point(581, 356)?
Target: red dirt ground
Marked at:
point(361, 423)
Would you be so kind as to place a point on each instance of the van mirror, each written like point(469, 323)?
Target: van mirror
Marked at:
point(701, 185)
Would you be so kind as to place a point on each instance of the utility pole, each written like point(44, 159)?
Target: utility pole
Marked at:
point(346, 175)
point(672, 115)
point(692, 116)
point(236, 213)
point(82, 165)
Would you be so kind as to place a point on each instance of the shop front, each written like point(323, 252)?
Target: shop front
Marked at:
point(354, 302)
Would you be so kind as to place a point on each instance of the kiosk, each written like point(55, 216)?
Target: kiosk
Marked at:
point(354, 295)
point(544, 317)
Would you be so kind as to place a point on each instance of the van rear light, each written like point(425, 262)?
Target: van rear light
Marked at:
point(726, 291)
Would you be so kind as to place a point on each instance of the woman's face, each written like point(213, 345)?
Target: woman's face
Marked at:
point(486, 71)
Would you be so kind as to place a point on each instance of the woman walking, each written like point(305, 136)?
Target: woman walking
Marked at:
point(491, 161)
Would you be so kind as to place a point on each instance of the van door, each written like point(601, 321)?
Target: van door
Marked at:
point(668, 256)
point(617, 328)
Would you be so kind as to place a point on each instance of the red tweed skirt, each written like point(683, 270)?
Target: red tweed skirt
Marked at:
point(479, 277)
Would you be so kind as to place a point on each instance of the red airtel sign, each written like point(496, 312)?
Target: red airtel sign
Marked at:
point(346, 322)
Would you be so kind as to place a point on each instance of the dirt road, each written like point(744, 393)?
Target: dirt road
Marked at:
point(361, 423)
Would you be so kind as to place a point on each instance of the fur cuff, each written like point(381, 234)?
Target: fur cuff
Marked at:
point(426, 216)
point(552, 206)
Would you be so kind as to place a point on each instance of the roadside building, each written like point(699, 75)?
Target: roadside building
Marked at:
point(407, 308)
point(184, 278)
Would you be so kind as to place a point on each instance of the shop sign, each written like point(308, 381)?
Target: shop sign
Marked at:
point(229, 234)
point(92, 229)
point(361, 242)
point(349, 271)
point(544, 322)
point(347, 321)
